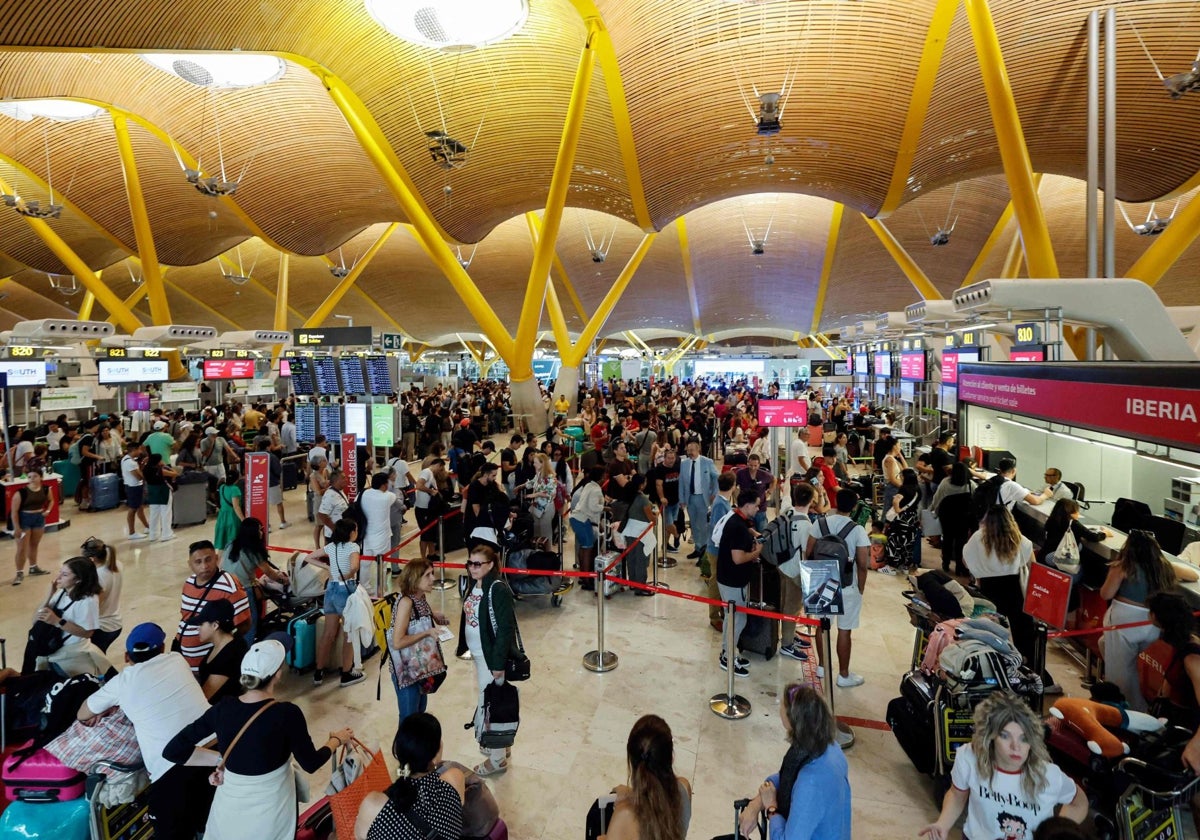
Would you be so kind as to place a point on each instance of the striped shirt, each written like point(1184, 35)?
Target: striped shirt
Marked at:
point(225, 588)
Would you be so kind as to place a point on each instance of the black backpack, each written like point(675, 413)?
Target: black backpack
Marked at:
point(984, 496)
point(831, 546)
point(354, 513)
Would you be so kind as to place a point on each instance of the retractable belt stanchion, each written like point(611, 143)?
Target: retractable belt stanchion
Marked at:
point(844, 734)
point(665, 561)
point(729, 705)
point(1041, 640)
point(600, 660)
point(442, 584)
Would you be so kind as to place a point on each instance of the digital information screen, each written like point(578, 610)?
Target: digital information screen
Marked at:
point(229, 368)
point(352, 375)
point(951, 359)
point(306, 422)
point(331, 422)
point(1028, 354)
point(285, 368)
point(302, 377)
point(24, 373)
point(379, 378)
point(912, 366)
point(325, 377)
point(113, 372)
point(883, 364)
point(356, 422)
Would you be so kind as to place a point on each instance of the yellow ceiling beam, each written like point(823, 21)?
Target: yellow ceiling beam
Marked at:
point(383, 313)
point(618, 102)
point(521, 365)
point(989, 246)
point(835, 226)
point(561, 271)
point(558, 324)
point(906, 263)
point(282, 281)
point(1014, 154)
point(346, 283)
point(600, 344)
point(160, 310)
point(85, 308)
point(470, 349)
point(596, 322)
point(130, 302)
point(216, 313)
point(1012, 261)
point(415, 352)
point(68, 205)
point(638, 344)
point(918, 105)
point(224, 259)
point(1168, 246)
point(685, 254)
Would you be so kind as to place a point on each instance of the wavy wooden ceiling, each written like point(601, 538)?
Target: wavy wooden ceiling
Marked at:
point(687, 67)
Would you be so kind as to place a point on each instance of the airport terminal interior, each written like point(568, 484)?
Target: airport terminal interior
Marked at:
point(975, 217)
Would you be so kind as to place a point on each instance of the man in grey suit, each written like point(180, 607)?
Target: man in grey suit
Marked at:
point(697, 489)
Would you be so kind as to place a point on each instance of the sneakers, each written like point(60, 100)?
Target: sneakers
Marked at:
point(137, 536)
point(802, 642)
point(283, 525)
point(1052, 689)
point(890, 571)
point(850, 680)
point(740, 666)
point(18, 579)
point(34, 571)
point(820, 672)
point(793, 652)
point(318, 676)
point(352, 678)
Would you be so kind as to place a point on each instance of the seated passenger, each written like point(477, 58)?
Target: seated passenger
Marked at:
point(61, 639)
point(420, 803)
point(656, 804)
point(220, 672)
point(810, 795)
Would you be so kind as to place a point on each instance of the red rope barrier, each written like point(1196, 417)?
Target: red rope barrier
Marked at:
point(628, 548)
point(712, 602)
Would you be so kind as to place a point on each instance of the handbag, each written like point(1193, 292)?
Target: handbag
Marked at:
point(348, 763)
point(345, 803)
point(421, 661)
point(1066, 556)
point(217, 777)
point(892, 514)
point(516, 666)
point(47, 639)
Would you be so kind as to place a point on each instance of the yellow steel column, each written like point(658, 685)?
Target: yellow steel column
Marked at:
point(1168, 246)
point(160, 311)
point(415, 353)
point(907, 264)
point(990, 245)
point(835, 226)
point(85, 308)
point(344, 285)
point(1012, 262)
point(558, 323)
point(121, 314)
point(596, 322)
point(281, 293)
point(685, 255)
point(207, 307)
point(521, 363)
point(1014, 154)
point(130, 302)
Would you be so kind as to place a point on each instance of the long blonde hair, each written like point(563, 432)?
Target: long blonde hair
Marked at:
point(544, 470)
point(1001, 536)
point(991, 716)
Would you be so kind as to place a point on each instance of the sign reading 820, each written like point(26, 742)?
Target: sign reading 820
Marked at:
point(18, 352)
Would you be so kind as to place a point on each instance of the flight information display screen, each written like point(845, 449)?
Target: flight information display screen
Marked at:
point(302, 377)
point(325, 376)
point(306, 422)
point(352, 375)
point(379, 378)
point(331, 423)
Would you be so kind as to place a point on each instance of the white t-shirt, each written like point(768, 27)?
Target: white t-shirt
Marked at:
point(799, 450)
point(397, 470)
point(423, 499)
point(377, 507)
point(317, 453)
point(110, 599)
point(984, 564)
point(85, 612)
point(333, 505)
point(160, 697)
point(53, 439)
point(1011, 493)
point(998, 808)
point(128, 467)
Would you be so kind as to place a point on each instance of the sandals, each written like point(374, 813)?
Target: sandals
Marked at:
point(488, 768)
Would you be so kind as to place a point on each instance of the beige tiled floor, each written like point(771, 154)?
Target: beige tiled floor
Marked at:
point(571, 744)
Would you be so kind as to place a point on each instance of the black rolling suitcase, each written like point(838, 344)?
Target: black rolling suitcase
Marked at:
point(290, 475)
point(738, 807)
point(911, 718)
point(761, 635)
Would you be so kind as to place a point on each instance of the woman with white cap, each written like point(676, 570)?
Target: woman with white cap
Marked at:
point(257, 737)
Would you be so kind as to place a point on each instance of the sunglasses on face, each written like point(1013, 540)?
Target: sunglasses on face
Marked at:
point(475, 564)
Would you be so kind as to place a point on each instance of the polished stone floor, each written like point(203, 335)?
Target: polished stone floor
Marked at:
point(574, 722)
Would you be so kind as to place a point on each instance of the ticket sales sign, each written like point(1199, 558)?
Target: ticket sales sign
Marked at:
point(350, 466)
point(258, 475)
point(1151, 402)
point(782, 413)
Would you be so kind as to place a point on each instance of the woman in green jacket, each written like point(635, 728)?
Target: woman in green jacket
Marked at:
point(488, 629)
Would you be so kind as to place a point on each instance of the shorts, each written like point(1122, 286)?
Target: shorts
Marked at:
point(851, 608)
point(585, 533)
point(336, 596)
point(671, 514)
point(31, 520)
point(275, 495)
point(424, 517)
point(134, 495)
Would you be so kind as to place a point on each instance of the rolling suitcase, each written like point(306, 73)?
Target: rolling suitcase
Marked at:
point(761, 635)
point(189, 503)
point(290, 475)
point(911, 718)
point(40, 777)
point(105, 491)
point(602, 562)
point(70, 476)
point(46, 820)
point(599, 816)
point(303, 630)
point(739, 806)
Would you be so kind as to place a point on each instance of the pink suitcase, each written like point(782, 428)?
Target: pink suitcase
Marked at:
point(40, 778)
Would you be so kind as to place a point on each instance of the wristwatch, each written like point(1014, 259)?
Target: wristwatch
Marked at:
point(62, 622)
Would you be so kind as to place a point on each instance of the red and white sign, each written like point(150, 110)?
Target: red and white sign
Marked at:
point(912, 366)
point(229, 368)
point(883, 364)
point(782, 413)
point(1029, 354)
point(1163, 415)
point(949, 368)
point(258, 477)
point(1047, 596)
point(350, 464)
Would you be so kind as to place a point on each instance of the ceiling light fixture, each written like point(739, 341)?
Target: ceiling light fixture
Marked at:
point(59, 110)
point(450, 25)
point(220, 70)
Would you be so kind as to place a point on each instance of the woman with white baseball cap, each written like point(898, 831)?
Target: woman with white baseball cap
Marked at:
point(257, 737)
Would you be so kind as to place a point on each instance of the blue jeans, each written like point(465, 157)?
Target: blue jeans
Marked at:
point(585, 533)
point(409, 699)
point(697, 508)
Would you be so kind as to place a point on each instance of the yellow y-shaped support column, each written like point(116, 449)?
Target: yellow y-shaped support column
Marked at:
point(907, 264)
point(346, 283)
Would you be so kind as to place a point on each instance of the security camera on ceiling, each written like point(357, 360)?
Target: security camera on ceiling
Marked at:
point(598, 256)
point(942, 237)
point(768, 113)
point(339, 271)
point(1151, 227)
point(1181, 83)
point(758, 247)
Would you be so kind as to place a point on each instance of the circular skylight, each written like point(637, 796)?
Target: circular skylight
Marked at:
point(450, 24)
point(219, 70)
point(60, 110)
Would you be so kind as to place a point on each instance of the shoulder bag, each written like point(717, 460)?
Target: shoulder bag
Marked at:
point(1066, 557)
point(217, 777)
point(892, 515)
point(516, 664)
point(177, 644)
point(46, 639)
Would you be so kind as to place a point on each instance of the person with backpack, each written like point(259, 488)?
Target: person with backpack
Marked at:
point(837, 536)
point(341, 554)
point(737, 551)
point(1003, 489)
point(791, 595)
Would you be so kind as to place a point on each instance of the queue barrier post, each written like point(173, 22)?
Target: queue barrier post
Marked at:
point(665, 561)
point(600, 661)
point(442, 584)
point(729, 705)
point(844, 735)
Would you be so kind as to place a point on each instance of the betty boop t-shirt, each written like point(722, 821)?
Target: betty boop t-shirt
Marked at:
point(998, 808)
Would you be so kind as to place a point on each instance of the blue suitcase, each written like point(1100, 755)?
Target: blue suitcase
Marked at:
point(303, 630)
point(45, 820)
point(105, 491)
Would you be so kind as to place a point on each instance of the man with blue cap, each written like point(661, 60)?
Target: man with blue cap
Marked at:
point(159, 694)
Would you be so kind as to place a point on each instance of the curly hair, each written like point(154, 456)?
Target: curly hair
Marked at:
point(991, 716)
